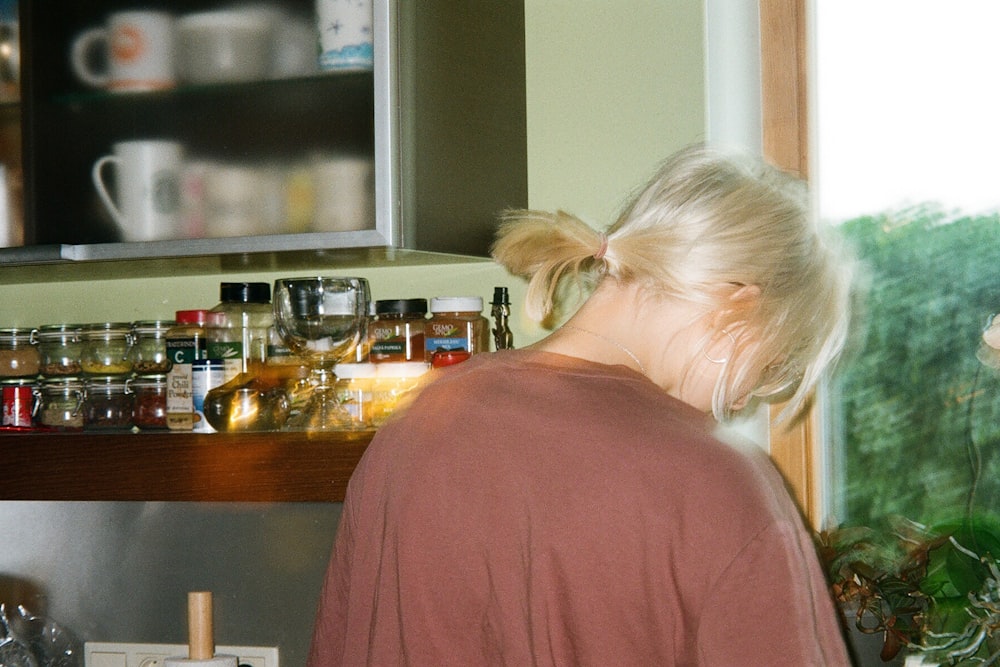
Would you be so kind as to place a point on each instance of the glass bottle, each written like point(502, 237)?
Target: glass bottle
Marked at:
point(59, 346)
point(240, 334)
point(106, 348)
point(456, 323)
point(149, 346)
point(19, 356)
point(397, 334)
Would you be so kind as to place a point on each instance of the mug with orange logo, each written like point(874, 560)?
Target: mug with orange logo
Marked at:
point(134, 52)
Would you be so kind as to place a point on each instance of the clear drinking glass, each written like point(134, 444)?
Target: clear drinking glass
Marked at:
point(321, 320)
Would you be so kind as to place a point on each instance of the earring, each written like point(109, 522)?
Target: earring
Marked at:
point(732, 338)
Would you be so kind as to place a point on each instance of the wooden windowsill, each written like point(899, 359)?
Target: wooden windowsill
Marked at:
point(217, 467)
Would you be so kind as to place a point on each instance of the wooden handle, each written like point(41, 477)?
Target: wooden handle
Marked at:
point(201, 644)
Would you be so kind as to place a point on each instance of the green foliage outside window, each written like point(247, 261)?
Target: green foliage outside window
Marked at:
point(918, 418)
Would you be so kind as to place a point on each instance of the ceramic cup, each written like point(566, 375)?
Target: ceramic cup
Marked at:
point(224, 46)
point(133, 52)
point(147, 188)
point(344, 193)
point(345, 34)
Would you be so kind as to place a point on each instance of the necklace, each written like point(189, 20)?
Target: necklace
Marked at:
point(621, 347)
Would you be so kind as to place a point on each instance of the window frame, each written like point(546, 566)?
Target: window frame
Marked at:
point(795, 448)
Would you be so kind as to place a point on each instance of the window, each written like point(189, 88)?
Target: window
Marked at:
point(907, 159)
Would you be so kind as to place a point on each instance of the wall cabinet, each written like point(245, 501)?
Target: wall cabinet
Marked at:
point(441, 115)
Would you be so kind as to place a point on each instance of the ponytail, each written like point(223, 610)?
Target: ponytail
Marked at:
point(549, 249)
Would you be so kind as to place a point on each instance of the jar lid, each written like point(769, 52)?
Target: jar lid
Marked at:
point(106, 329)
point(152, 326)
point(19, 382)
point(457, 304)
point(108, 381)
point(191, 316)
point(58, 331)
point(150, 380)
point(402, 369)
point(355, 371)
point(68, 382)
point(15, 335)
point(401, 307)
point(245, 292)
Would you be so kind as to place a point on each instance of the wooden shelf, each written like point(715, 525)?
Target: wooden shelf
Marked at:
point(217, 467)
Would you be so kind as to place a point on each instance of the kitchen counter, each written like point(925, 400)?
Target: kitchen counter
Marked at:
point(171, 466)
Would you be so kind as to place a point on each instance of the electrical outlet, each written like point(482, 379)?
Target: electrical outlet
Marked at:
point(120, 654)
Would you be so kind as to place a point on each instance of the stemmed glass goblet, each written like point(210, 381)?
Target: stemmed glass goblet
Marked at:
point(321, 320)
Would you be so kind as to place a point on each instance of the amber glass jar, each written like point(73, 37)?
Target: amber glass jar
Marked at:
point(397, 334)
point(456, 323)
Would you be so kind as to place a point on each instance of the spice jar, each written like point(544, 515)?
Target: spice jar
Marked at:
point(19, 356)
point(60, 403)
point(18, 396)
point(60, 347)
point(185, 344)
point(106, 403)
point(106, 348)
point(397, 334)
point(149, 401)
point(149, 346)
point(456, 323)
point(393, 387)
point(239, 334)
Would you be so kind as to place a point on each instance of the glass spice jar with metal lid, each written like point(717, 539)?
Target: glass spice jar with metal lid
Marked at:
point(149, 400)
point(106, 348)
point(397, 334)
point(107, 404)
point(60, 403)
point(19, 355)
point(149, 346)
point(59, 346)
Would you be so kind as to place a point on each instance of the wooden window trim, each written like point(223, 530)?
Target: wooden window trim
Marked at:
point(785, 134)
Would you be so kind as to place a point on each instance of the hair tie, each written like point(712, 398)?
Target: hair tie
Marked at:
point(604, 247)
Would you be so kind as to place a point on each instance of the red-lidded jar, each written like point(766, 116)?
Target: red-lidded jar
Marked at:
point(18, 395)
point(397, 334)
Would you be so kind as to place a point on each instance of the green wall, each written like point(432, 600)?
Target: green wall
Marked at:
point(612, 89)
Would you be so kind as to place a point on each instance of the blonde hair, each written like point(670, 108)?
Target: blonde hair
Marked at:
point(708, 220)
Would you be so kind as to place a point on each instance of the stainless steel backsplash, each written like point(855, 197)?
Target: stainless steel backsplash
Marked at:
point(117, 571)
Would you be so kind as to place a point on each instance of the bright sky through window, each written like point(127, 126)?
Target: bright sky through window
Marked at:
point(908, 105)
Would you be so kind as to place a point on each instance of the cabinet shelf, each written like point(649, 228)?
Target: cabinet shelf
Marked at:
point(216, 467)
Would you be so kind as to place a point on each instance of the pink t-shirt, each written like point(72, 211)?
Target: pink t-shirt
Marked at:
point(536, 509)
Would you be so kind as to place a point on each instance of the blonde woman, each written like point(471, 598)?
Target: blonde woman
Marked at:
point(568, 503)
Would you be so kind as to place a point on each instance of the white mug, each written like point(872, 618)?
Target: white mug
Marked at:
point(345, 34)
point(148, 180)
point(139, 49)
point(344, 193)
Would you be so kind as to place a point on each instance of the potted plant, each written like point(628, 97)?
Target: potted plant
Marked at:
point(934, 591)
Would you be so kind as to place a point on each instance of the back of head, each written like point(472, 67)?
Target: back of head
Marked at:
point(708, 221)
